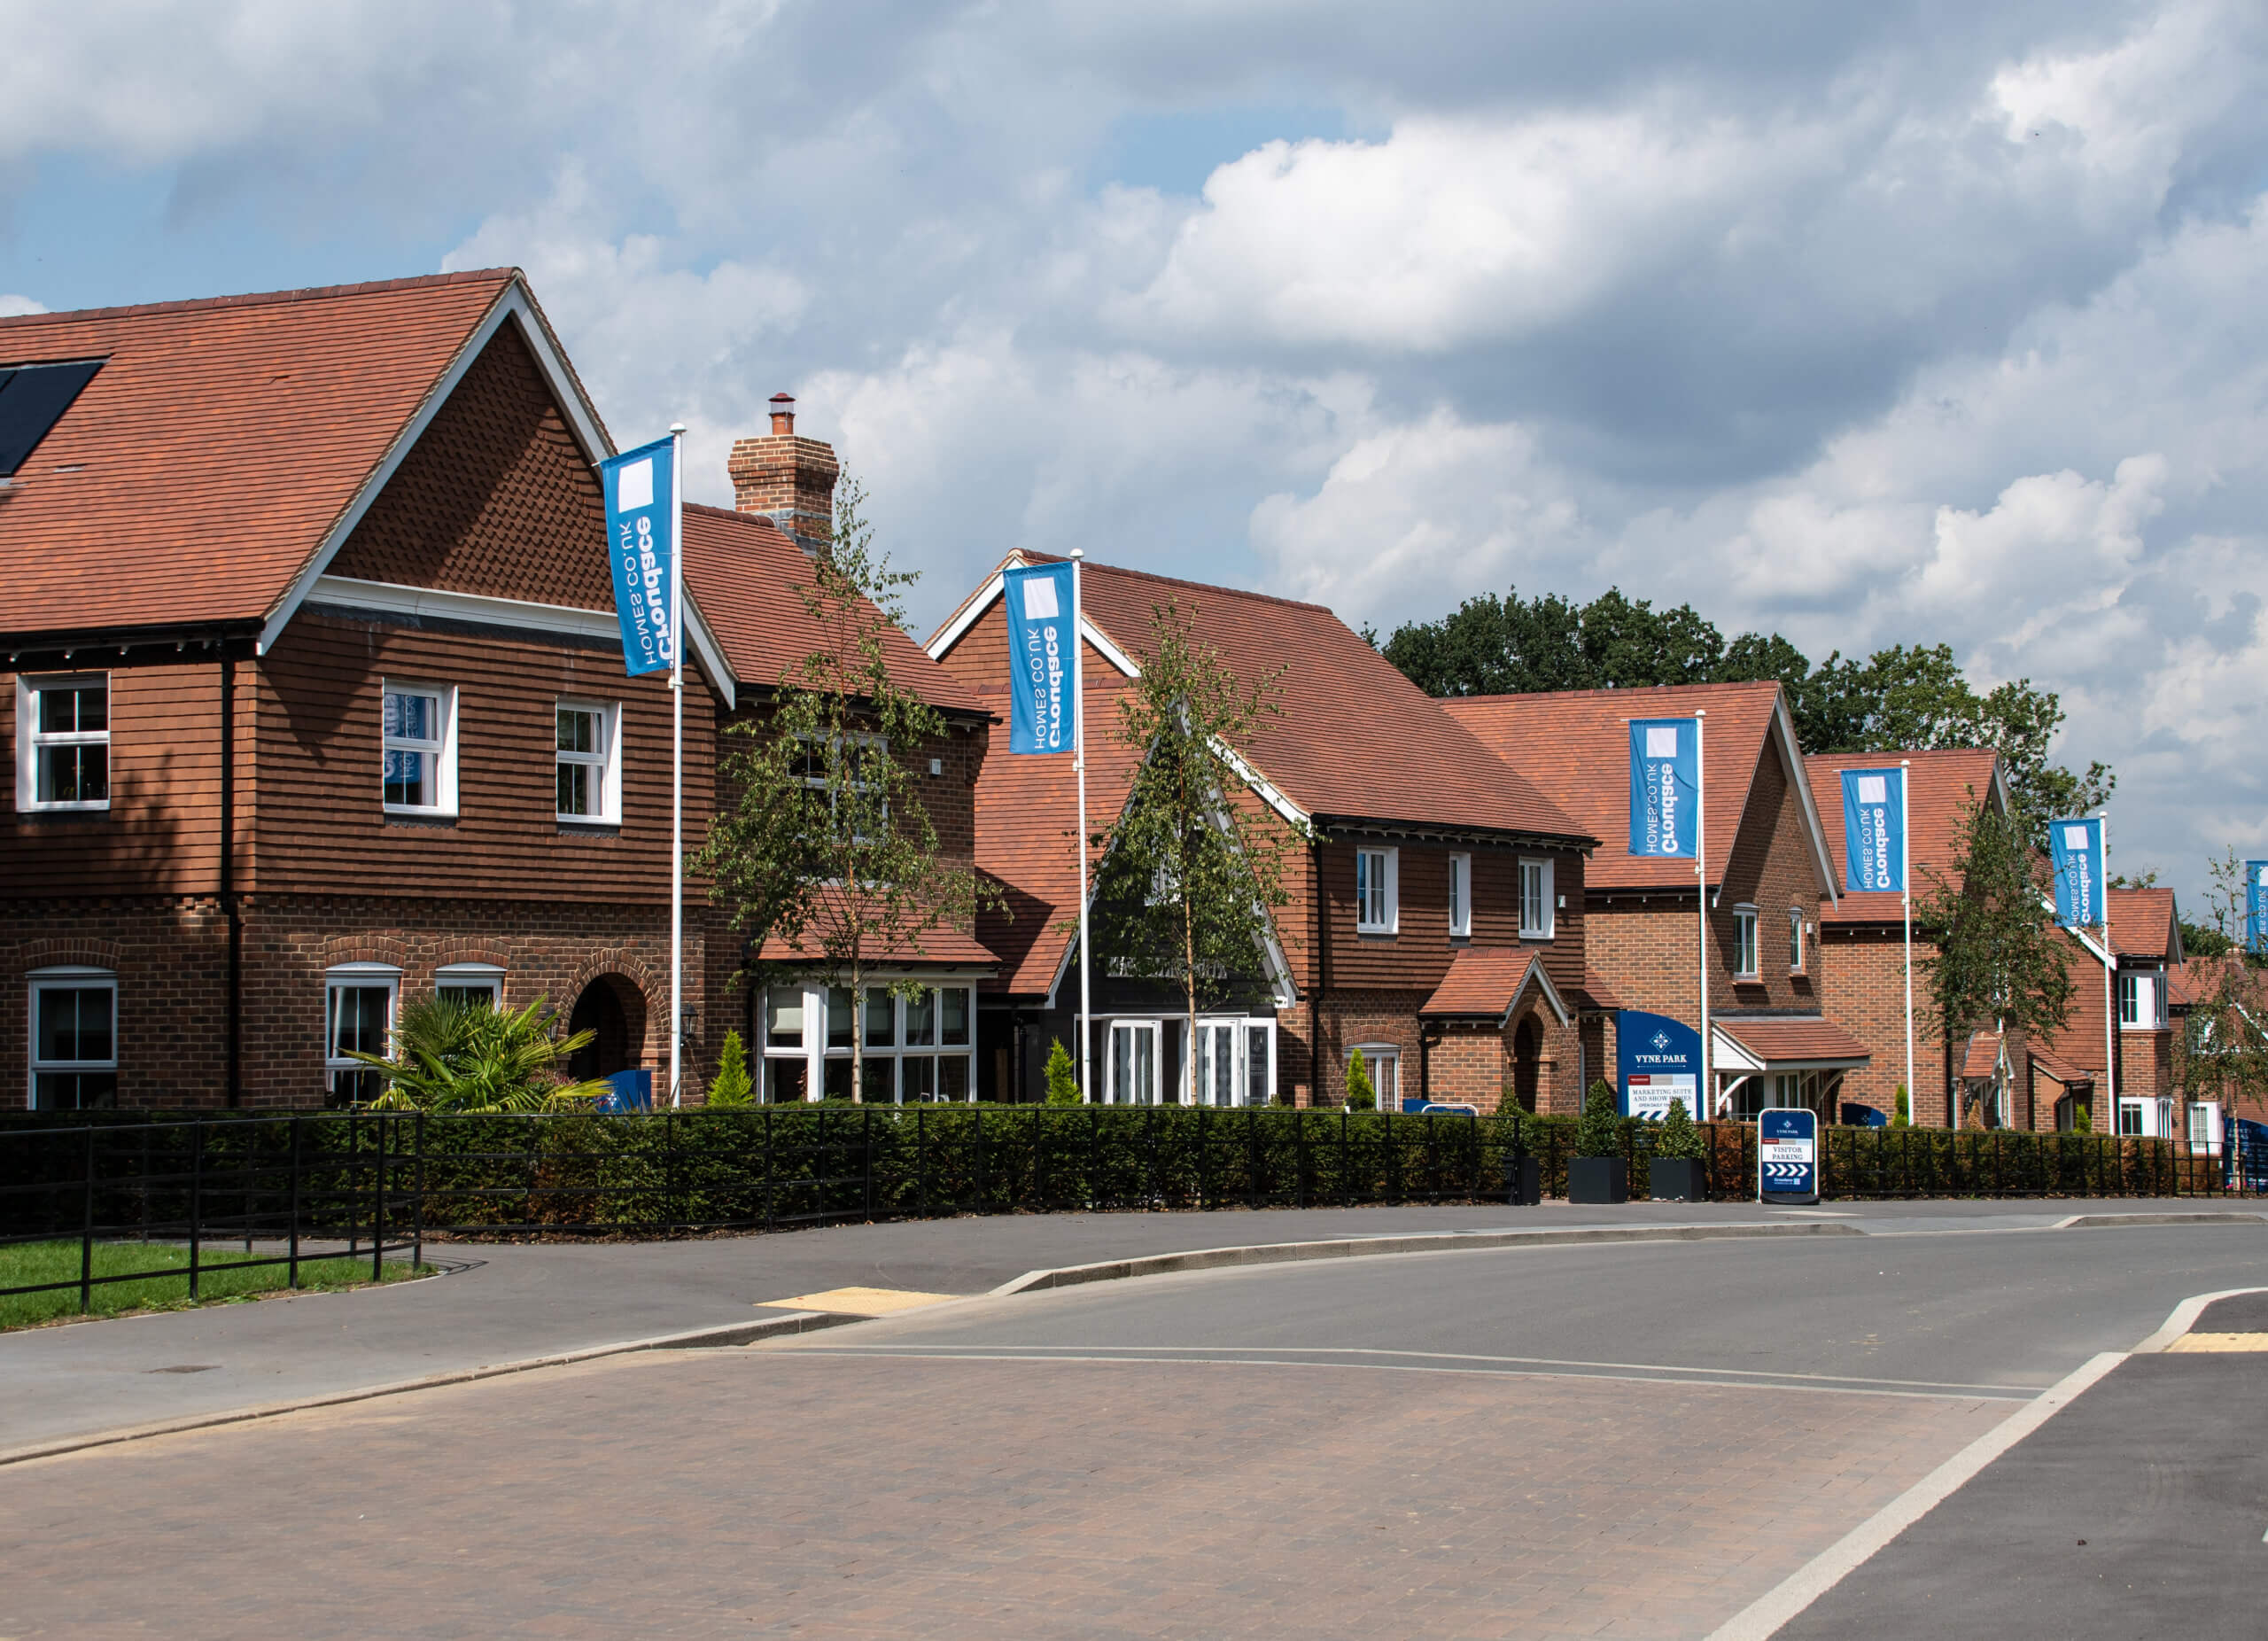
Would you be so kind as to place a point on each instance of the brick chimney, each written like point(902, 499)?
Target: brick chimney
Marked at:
point(788, 480)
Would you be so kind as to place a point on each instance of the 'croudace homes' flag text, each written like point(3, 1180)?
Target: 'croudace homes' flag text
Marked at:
point(1664, 786)
point(2077, 847)
point(2256, 905)
point(1041, 714)
point(638, 514)
point(1874, 830)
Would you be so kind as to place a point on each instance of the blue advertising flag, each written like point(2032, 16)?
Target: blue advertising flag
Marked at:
point(2256, 905)
point(2077, 848)
point(1874, 830)
point(1040, 714)
point(1664, 786)
point(638, 514)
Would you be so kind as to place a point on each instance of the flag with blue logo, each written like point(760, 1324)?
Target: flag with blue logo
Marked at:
point(2076, 847)
point(2256, 905)
point(1664, 786)
point(638, 533)
point(1042, 717)
point(1874, 830)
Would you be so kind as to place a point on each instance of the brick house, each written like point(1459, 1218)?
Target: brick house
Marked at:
point(1435, 922)
point(744, 566)
point(1767, 877)
point(1862, 933)
point(2145, 956)
point(319, 700)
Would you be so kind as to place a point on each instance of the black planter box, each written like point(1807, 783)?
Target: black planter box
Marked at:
point(1677, 1180)
point(1523, 1181)
point(1597, 1179)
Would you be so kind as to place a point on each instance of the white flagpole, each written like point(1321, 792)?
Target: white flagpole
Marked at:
point(1905, 886)
point(1079, 768)
point(677, 759)
point(1706, 1096)
point(2109, 1002)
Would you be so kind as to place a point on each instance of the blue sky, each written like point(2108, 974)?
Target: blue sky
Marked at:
point(1900, 323)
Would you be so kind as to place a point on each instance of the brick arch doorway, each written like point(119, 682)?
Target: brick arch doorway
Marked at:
point(1527, 1062)
point(613, 1007)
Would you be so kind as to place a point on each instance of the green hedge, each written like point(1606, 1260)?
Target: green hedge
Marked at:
point(787, 1165)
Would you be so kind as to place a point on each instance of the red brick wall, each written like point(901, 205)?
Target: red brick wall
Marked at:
point(170, 958)
point(1862, 973)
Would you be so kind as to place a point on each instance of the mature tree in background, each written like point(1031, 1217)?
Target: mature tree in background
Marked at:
point(1190, 876)
point(827, 843)
point(1898, 699)
point(1999, 959)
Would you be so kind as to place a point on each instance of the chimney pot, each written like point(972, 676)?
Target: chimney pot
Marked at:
point(783, 413)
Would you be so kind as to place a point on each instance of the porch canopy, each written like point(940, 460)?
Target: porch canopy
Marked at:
point(1766, 1060)
point(1488, 983)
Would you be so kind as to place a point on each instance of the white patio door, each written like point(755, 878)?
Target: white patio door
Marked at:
point(1133, 1063)
point(1214, 1079)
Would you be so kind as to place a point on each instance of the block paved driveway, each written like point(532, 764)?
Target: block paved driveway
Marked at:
point(1631, 1441)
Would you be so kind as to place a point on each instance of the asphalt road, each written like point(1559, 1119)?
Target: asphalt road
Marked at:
point(1576, 1440)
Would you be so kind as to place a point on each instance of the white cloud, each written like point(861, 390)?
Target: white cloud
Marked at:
point(12, 304)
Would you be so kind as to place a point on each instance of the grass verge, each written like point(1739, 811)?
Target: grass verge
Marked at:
point(221, 1276)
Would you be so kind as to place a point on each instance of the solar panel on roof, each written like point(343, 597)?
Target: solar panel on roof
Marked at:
point(32, 399)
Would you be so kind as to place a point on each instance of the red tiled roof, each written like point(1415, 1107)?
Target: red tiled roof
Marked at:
point(1575, 745)
point(941, 946)
point(1793, 1039)
point(1485, 981)
point(2198, 981)
point(1354, 739)
point(218, 445)
point(743, 571)
point(1941, 784)
point(2066, 1074)
point(1981, 1058)
point(2142, 922)
point(1596, 988)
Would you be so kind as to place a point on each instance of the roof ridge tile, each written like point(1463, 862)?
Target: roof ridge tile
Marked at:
point(260, 298)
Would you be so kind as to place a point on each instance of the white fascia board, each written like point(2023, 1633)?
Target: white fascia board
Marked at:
point(1728, 1055)
point(1249, 774)
point(1542, 978)
point(387, 598)
point(2101, 955)
point(967, 616)
point(514, 306)
point(1784, 730)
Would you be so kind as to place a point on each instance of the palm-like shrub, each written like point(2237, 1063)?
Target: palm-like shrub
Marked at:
point(450, 1056)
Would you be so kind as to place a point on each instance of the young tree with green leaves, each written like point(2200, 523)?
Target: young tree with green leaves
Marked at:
point(2221, 1051)
point(2000, 958)
point(1192, 874)
point(732, 1087)
point(1062, 1077)
point(826, 843)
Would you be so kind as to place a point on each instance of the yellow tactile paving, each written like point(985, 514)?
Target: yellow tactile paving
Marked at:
point(860, 1300)
point(2220, 1341)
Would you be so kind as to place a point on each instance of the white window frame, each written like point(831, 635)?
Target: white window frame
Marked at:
point(2141, 995)
point(1539, 873)
point(67, 977)
point(1378, 904)
point(1375, 1055)
point(1460, 897)
point(1241, 1092)
point(816, 1053)
point(444, 750)
point(1153, 1030)
point(471, 977)
point(357, 976)
point(1796, 952)
point(1746, 959)
point(30, 738)
point(605, 764)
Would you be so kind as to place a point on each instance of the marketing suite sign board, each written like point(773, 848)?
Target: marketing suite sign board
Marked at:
point(1664, 786)
point(638, 516)
point(1787, 1156)
point(1041, 718)
point(1660, 1061)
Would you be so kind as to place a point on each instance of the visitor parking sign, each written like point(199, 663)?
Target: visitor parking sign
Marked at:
point(1787, 1157)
